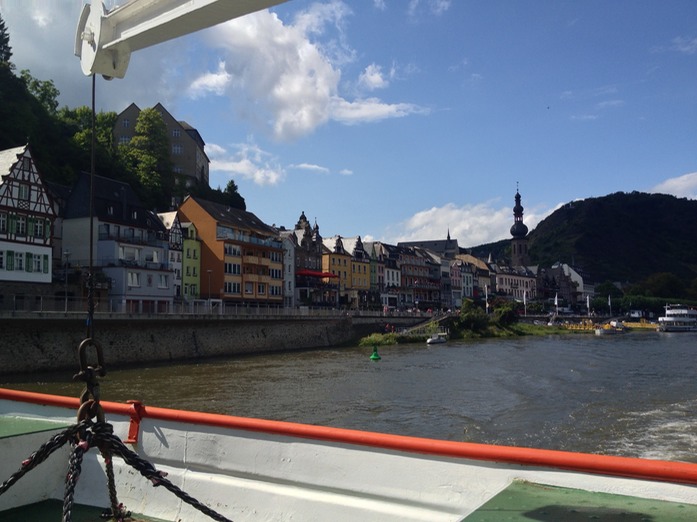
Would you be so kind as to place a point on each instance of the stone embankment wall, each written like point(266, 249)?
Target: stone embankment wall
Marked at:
point(42, 344)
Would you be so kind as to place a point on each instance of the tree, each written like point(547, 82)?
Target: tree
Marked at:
point(44, 91)
point(147, 156)
point(233, 197)
point(5, 49)
point(78, 125)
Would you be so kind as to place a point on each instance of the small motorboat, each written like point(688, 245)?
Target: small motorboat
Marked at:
point(437, 338)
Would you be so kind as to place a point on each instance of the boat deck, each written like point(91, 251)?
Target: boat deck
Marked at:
point(525, 501)
point(13, 426)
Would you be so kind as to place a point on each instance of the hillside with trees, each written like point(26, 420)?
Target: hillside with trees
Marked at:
point(642, 241)
point(60, 140)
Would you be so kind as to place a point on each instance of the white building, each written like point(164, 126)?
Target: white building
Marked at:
point(26, 220)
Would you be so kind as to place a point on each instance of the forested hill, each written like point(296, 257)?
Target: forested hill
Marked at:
point(620, 237)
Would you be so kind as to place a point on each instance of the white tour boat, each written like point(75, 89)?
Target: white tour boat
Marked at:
point(678, 318)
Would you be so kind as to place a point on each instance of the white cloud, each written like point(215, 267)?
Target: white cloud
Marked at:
point(370, 109)
point(471, 225)
point(288, 75)
point(310, 167)
point(215, 82)
point(346, 172)
point(436, 7)
point(684, 186)
point(685, 45)
point(372, 78)
point(248, 162)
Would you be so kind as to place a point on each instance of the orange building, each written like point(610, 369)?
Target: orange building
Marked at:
point(241, 256)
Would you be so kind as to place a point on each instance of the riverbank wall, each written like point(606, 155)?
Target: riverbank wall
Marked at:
point(51, 343)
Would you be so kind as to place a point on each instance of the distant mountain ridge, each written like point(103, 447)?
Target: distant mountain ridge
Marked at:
point(619, 237)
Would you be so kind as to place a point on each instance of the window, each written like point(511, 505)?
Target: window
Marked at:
point(39, 228)
point(125, 123)
point(163, 283)
point(232, 288)
point(21, 229)
point(124, 140)
point(10, 260)
point(24, 192)
point(3, 223)
point(177, 149)
point(176, 133)
point(261, 289)
point(19, 262)
point(37, 264)
point(249, 288)
point(133, 279)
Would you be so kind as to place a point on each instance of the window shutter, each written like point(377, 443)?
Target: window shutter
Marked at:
point(28, 262)
point(45, 263)
point(10, 260)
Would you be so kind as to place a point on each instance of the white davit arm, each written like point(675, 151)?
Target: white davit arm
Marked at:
point(105, 40)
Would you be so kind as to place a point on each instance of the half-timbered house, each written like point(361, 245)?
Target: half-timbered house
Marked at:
point(26, 220)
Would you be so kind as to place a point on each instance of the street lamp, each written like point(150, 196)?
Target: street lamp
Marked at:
point(209, 289)
point(65, 293)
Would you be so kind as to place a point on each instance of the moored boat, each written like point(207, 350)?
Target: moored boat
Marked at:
point(611, 328)
point(437, 338)
point(678, 318)
point(252, 469)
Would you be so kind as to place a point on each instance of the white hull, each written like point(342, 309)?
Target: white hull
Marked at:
point(251, 470)
point(678, 318)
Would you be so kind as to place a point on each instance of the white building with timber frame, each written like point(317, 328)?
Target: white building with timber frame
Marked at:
point(26, 220)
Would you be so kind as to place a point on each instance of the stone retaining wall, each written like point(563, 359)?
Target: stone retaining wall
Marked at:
point(28, 345)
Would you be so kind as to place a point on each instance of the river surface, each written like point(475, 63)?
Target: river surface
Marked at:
point(633, 394)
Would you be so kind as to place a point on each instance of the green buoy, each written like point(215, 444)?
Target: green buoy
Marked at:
point(376, 355)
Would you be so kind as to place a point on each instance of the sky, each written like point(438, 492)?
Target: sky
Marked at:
point(403, 120)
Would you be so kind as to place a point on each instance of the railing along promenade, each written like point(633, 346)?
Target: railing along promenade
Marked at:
point(58, 307)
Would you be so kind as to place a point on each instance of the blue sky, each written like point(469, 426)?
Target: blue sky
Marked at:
point(403, 119)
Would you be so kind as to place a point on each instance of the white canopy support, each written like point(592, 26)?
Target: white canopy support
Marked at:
point(105, 40)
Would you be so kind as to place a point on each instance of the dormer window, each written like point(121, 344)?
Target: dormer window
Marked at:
point(134, 214)
point(110, 210)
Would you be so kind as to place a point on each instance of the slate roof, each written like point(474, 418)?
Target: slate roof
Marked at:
point(235, 217)
point(126, 208)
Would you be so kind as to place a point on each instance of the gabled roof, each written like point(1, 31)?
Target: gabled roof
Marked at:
point(235, 217)
point(9, 157)
point(114, 202)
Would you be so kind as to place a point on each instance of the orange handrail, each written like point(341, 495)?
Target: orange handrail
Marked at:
point(660, 470)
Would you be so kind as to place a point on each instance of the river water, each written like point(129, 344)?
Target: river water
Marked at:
point(632, 394)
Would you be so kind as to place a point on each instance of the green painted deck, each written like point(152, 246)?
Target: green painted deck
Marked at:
point(13, 426)
point(525, 501)
point(53, 510)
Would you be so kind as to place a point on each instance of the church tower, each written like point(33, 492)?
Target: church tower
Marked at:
point(519, 243)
